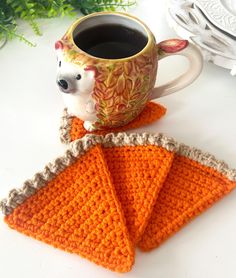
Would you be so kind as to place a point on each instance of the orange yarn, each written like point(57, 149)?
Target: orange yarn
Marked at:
point(78, 211)
point(189, 189)
point(138, 174)
point(151, 113)
point(110, 199)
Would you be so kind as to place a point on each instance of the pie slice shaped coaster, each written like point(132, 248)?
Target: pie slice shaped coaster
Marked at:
point(190, 188)
point(108, 193)
point(72, 128)
point(77, 211)
point(138, 173)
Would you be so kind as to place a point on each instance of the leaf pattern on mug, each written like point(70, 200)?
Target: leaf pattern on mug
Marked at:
point(128, 67)
point(110, 81)
point(122, 87)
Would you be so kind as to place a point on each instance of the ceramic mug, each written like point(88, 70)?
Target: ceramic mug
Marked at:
point(107, 93)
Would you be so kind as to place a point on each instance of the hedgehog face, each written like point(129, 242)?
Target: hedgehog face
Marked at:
point(72, 78)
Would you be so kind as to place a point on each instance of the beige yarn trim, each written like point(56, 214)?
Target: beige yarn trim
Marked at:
point(65, 127)
point(79, 147)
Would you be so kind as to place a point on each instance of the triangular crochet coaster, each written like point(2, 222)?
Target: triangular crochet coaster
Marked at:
point(78, 211)
point(110, 192)
point(72, 128)
point(138, 173)
point(189, 189)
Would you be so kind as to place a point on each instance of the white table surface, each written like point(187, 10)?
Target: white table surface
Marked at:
point(202, 115)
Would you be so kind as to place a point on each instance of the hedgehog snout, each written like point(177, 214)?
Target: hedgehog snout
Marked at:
point(63, 84)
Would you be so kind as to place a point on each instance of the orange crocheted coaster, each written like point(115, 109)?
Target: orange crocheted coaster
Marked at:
point(138, 173)
point(189, 189)
point(110, 193)
point(78, 211)
point(72, 128)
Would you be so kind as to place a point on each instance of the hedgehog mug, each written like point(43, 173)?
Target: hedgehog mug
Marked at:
point(106, 91)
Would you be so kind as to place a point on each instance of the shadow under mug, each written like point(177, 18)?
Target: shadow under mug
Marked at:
point(111, 92)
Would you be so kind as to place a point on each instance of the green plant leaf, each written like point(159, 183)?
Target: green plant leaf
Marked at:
point(11, 10)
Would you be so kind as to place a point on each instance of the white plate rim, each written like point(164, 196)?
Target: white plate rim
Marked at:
point(217, 13)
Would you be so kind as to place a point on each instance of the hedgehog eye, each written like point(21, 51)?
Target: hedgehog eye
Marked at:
point(59, 63)
point(78, 77)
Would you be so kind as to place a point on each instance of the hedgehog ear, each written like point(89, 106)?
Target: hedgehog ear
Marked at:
point(58, 45)
point(92, 69)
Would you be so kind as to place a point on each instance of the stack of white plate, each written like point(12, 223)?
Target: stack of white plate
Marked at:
point(210, 24)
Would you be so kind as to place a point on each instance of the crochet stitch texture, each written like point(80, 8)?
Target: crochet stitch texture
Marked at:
point(72, 128)
point(108, 194)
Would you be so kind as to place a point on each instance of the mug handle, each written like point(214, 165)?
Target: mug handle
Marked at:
point(178, 47)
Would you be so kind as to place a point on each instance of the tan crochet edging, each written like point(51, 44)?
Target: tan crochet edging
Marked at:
point(65, 127)
point(80, 146)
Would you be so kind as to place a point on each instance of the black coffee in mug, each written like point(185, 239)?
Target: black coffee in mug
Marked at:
point(111, 41)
